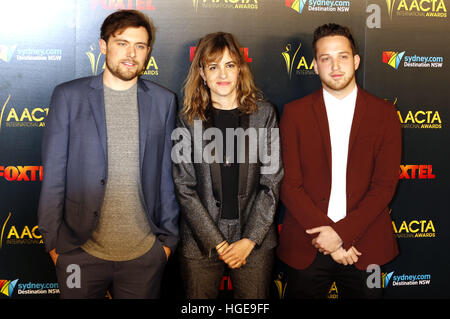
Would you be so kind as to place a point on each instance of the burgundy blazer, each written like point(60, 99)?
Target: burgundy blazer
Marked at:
point(372, 175)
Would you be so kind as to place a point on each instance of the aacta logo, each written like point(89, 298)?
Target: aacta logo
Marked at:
point(416, 172)
point(7, 287)
point(123, 4)
point(417, 8)
point(26, 117)
point(414, 229)
point(22, 173)
point(226, 4)
point(95, 60)
point(151, 68)
point(19, 235)
point(244, 51)
point(420, 119)
point(281, 285)
point(333, 292)
point(302, 67)
point(393, 58)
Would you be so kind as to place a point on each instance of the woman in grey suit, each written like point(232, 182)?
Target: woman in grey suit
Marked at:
point(227, 172)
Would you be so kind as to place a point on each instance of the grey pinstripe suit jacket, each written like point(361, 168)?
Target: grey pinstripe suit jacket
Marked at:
point(199, 191)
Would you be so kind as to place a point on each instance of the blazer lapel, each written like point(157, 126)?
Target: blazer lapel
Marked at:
point(360, 110)
point(244, 120)
point(216, 179)
point(216, 174)
point(144, 108)
point(97, 104)
point(322, 121)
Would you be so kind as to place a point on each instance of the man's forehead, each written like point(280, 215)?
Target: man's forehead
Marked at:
point(120, 32)
point(334, 40)
point(334, 44)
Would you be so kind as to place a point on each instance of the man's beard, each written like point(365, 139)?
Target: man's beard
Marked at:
point(336, 86)
point(120, 73)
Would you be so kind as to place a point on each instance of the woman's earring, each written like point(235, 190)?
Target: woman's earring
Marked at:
point(204, 82)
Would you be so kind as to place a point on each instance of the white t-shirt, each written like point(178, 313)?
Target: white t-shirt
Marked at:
point(340, 118)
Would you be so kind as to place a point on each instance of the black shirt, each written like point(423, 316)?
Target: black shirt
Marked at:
point(224, 119)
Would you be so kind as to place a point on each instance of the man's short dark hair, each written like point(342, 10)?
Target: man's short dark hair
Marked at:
point(332, 29)
point(122, 19)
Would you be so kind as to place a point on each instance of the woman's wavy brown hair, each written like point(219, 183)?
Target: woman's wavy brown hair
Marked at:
point(197, 97)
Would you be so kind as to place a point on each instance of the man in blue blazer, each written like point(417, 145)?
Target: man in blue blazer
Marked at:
point(107, 209)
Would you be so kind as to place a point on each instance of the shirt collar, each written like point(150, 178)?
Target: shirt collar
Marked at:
point(348, 100)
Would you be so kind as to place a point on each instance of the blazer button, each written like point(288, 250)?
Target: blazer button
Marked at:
point(324, 200)
point(102, 182)
point(96, 214)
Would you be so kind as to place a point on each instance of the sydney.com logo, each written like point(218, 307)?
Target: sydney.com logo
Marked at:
point(7, 286)
point(319, 5)
point(394, 60)
point(47, 288)
point(406, 280)
point(29, 54)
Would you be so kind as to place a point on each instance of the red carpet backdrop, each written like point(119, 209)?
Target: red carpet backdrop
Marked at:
point(405, 51)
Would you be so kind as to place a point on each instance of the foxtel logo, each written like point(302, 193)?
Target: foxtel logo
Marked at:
point(123, 4)
point(22, 173)
point(225, 283)
point(244, 50)
point(416, 172)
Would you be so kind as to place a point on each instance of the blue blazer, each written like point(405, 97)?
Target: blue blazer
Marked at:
point(75, 161)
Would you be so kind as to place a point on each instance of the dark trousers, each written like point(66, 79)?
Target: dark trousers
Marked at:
point(202, 277)
point(139, 278)
point(315, 281)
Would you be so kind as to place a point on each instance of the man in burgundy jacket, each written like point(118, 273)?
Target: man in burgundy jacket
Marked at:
point(341, 149)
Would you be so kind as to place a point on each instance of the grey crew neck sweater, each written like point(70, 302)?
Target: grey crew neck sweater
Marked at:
point(123, 232)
